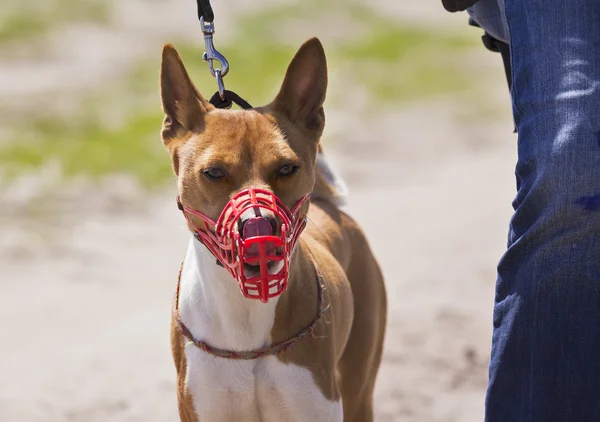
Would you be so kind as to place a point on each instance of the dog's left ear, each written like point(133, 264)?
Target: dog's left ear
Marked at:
point(302, 93)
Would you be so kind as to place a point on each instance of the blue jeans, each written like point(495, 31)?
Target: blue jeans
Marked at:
point(545, 363)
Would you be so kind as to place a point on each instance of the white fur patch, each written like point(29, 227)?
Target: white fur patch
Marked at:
point(214, 310)
point(341, 190)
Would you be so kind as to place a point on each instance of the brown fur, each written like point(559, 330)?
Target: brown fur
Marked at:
point(184, 401)
point(345, 349)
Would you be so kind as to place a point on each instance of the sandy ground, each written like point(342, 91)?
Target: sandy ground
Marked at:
point(87, 277)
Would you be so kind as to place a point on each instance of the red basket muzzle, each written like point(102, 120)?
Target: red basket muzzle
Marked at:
point(257, 257)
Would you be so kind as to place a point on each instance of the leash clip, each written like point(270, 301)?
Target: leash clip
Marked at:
point(211, 54)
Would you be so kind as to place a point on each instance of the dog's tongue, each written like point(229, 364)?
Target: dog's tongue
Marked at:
point(254, 227)
point(257, 226)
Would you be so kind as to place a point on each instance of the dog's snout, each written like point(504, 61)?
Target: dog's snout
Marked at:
point(257, 226)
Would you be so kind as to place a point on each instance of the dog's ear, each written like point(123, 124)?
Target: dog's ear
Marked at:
point(302, 93)
point(183, 105)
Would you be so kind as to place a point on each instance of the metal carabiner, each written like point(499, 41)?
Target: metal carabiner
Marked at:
point(211, 54)
point(220, 84)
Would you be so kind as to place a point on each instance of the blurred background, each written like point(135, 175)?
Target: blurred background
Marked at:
point(418, 124)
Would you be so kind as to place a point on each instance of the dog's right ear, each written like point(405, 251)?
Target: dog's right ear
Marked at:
point(304, 87)
point(183, 105)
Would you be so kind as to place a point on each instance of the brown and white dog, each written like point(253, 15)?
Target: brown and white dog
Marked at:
point(327, 369)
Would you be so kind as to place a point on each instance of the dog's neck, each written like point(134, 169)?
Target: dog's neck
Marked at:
point(215, 311)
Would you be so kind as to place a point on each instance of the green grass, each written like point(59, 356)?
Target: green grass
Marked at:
point(89, 148)
point(118, 132)
point(25, 19)
point(394, 62)
point(401, 63)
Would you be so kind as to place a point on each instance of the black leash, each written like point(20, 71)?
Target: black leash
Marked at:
point(205, 11)
point(230, 97)
point(222, 98)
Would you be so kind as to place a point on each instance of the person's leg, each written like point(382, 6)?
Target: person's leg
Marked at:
point(545, 364)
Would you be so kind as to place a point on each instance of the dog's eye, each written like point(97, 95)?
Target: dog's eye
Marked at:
point(214, 173)
point(287, 170)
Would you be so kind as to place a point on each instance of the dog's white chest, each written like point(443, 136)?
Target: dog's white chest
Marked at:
point(265, 390)
point(223, 390)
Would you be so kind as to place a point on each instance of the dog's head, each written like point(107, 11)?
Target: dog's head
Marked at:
point(219, 153)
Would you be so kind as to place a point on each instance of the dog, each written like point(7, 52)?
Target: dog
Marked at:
point(280, 310)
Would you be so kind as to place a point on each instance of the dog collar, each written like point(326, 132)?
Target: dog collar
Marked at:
point(273, 349)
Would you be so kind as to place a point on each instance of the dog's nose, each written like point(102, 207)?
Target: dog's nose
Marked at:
point(257, 226)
